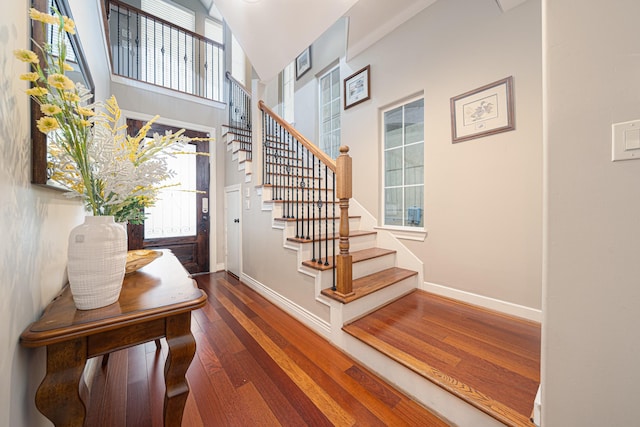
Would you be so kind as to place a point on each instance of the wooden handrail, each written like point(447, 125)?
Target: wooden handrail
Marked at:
point(240, 85)
point(297, 135)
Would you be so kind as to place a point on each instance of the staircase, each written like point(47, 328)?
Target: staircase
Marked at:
point(301, 194)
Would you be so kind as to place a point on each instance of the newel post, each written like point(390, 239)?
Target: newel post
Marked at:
point(343, 192)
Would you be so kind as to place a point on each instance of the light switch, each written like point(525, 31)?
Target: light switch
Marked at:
point(625, 140)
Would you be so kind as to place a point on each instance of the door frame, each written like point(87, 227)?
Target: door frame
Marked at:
point(227, 190)
point(214, 214)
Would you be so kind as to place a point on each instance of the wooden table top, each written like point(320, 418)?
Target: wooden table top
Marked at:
point(158, 290)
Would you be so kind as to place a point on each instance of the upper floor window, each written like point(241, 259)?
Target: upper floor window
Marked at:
point(330, 104)
point(238, 62)
point(288, 92)
point(214, 30)
point(403, 147)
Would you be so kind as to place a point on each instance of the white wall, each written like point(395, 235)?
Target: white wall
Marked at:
point(591, 344)
point(34, 225)
point(482, 197)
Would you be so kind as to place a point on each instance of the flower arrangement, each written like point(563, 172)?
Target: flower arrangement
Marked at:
point(91, 154)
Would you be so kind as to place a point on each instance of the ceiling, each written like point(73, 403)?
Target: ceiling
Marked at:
point(292, 25)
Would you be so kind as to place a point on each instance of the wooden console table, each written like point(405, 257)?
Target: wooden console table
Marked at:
point(155, 302)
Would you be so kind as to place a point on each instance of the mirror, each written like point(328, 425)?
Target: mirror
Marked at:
point(80, 73)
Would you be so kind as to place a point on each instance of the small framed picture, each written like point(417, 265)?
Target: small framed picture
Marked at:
point(484, 111)
point(357, 87)
point(303, 62)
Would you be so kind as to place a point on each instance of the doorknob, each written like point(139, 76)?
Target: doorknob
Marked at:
point(237, 220)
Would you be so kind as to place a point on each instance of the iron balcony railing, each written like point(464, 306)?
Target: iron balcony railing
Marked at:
point(148, 48)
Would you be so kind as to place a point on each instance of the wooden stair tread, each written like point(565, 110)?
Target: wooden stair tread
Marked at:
point(356, 256)
point(500, 411)
point(374, 282)
point(235, 129)
point(324, 218)
point(330, 237)
point(297, 187)
point(304, 201)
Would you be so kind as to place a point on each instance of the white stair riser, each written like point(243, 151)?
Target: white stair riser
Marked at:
point(290, 228)
point(370, 266)
point(377, 299)
point(306, 249)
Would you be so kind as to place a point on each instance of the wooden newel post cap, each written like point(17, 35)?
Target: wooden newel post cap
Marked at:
point(344, 149)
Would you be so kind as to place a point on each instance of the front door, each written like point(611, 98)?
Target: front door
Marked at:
point(180, 219)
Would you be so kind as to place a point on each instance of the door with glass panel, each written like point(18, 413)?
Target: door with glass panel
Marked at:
point(179, 221)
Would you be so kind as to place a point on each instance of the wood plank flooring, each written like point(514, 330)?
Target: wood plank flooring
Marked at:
point(486, 358)
point(254, 366)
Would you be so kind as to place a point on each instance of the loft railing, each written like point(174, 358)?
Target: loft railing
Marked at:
point(309, 185)
point(147, 48)
point(240, 114)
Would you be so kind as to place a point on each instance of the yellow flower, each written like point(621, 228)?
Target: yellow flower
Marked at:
point(30, 77)
point(36, 15)
point(60, 81)
point(47, 124)
point(85, 111)
point(37, 91)
point(85, 123)
point(71, 97)
point(25, 55)
point(69, 25)
point(50, 109)
point(67, 67)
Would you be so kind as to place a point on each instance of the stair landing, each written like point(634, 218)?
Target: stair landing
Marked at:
point(490, 360)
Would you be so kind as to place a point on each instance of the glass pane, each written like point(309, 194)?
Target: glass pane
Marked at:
point(325, 89)
point(414, 202)
point(335, 83)
point(393, 128)
point(174, 214)
point(393, 167)
point(413, 164)
point(335, 107)
point(393, 206)
point(414, 122)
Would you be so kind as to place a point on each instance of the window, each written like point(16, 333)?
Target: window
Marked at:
point(238, 62)
point(214, 30)
point(403, 135)
point(288, 91)
point(330, 104)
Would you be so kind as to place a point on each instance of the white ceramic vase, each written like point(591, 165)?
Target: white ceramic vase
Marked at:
point(96, 262)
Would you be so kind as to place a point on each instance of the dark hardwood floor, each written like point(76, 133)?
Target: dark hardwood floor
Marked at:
point(254, 366)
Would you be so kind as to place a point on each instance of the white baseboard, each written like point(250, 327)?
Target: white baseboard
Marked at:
point(505, 307)
point(309, 319)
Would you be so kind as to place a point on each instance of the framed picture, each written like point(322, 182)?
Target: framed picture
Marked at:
point(357, 87)
point(484, 111)
point(303, 62)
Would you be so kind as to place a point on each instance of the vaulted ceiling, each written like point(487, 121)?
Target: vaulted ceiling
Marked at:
point(289, 26)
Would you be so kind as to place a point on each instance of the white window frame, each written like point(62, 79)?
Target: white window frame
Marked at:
point(400, 231)
point(331, 149)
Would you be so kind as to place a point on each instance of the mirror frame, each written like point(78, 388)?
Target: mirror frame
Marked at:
point(39, 172)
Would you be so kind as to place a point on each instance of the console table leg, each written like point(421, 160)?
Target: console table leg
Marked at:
point(182, 348)
point(58, 396)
